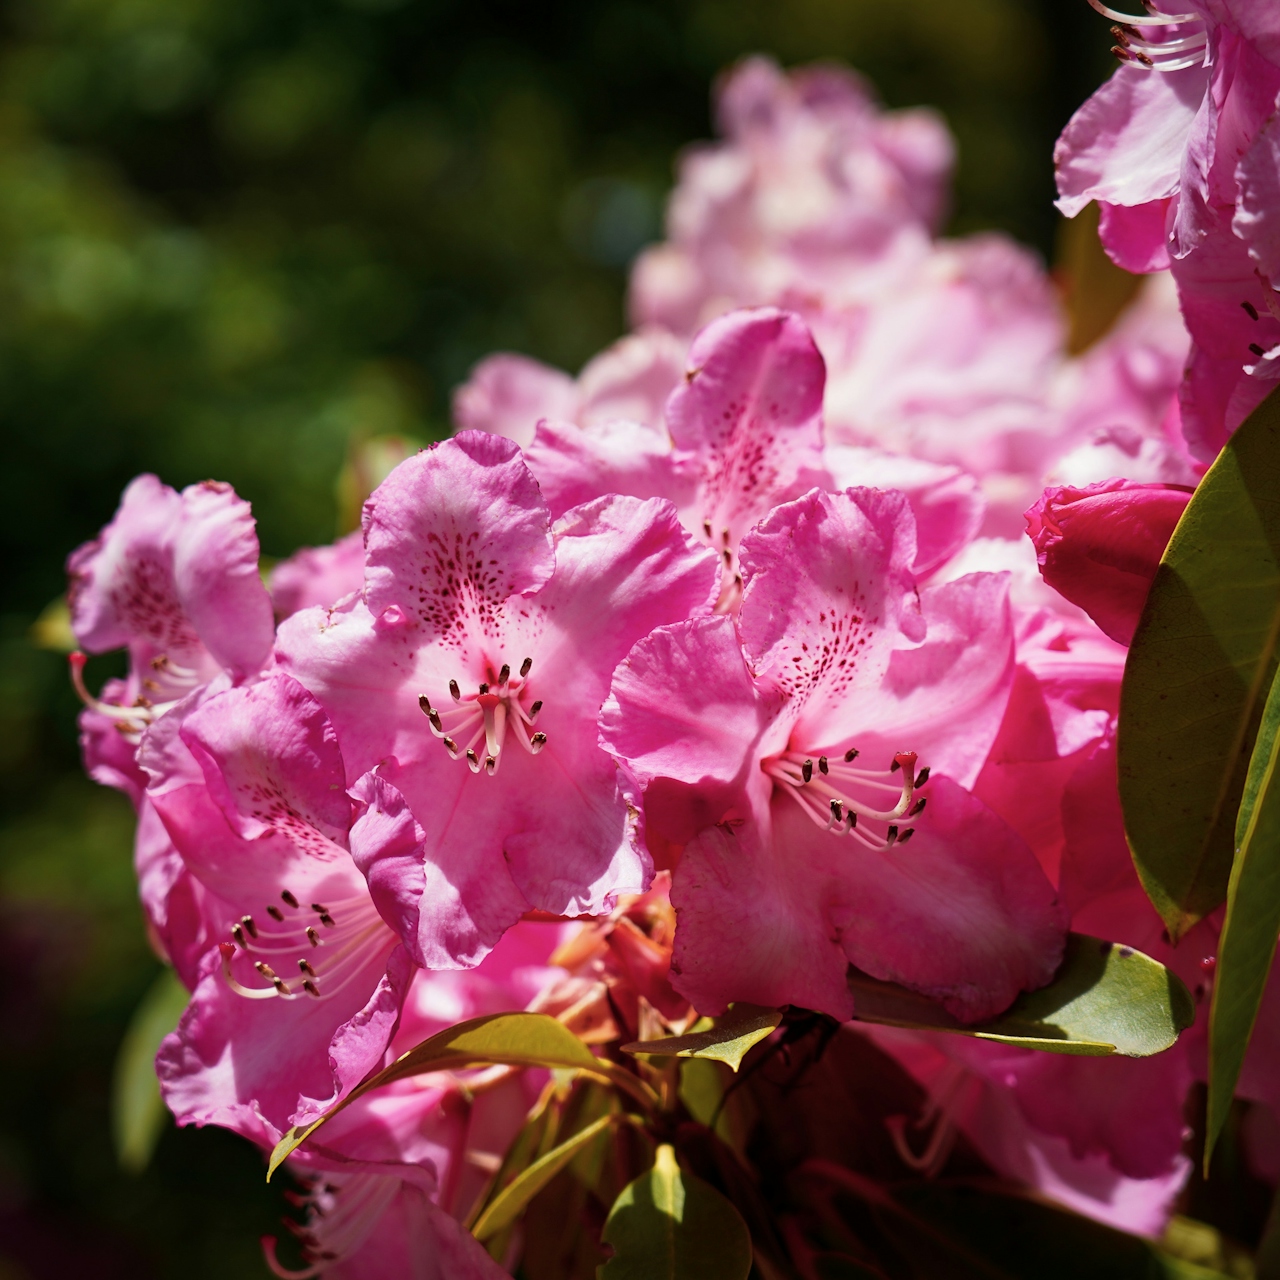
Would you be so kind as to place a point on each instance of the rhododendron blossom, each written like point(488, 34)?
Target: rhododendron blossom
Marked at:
point(468, 676)
point(783, 753)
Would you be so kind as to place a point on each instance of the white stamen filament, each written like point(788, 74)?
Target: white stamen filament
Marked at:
point(321, 947)
point(832, 793)
point(486, 716)
point(1143, 19)
point(340, 1220)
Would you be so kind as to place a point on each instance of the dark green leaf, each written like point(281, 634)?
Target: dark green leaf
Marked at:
point(509, 1203)
point(1198, 670)
point(1104, 999)
point(1248, 941)
point(137, 1113)
point(669, 1225)
point(727, 1040)
point(506, 1039)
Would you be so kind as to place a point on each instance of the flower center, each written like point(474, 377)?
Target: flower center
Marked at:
point(836, 795)
point(730, 574)
point(321, 947)
point(480, 720)
point(1172, 53)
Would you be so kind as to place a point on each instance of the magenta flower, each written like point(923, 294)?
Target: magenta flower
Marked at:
point(1100, 546)
point(469, 676)
point(783, 752)
point(299, 996)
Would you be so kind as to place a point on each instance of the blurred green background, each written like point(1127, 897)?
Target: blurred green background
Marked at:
point(234, 233)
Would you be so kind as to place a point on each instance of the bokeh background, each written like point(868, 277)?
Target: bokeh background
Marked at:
point(236, 235)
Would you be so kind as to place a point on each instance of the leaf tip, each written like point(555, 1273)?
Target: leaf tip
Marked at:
point(284, 1149)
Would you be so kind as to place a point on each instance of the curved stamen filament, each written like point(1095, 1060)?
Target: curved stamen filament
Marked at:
point(129, 719)
point(1143, 19)
point(832, 794)
point(486, 716)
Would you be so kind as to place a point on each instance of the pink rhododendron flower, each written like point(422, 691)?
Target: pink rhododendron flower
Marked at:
point(174, 580)
point(1100, 546)
point(299, 996)
point(812, 179)
point(508, 395)
point(468, 677)
point(781, 751)
point(318, 575)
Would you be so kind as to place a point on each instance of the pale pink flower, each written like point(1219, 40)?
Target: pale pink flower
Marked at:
point(318, 575)
point(812, 179)
point(301, 991)
point(468, 676)
point(508, 395)
point(781, 751)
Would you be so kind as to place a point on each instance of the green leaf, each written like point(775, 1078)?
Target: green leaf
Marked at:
point(1104, 999)
point(137, 1113)
point(727, 1040)
point(509, 1203)
point(1248, 942)
point(669, 1225)
point(1198, 670)
point(502, 1039)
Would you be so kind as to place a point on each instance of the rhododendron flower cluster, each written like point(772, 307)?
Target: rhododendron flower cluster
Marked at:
point(694, 681)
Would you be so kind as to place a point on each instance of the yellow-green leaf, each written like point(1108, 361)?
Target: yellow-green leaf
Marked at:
point(509, 1203)
point(1104, 999)
point(669, 1225)
point(137, 1113)
point(1198, 671)
point(1248, 942)
point(502, 1039)
point(727, 1040)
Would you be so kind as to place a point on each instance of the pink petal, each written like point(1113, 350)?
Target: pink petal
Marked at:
point(1100, 546)
point(631, 379)
point(575, 464)
point(468, 512)
point(507, 395)
point(963, 913)
point(318, 575)
point(684, 720)
point(1257, 216)
point(271, 760)
point(1125, 144)
point(947, 502)
point(749, 411)
point(1136, 236)
point(215, 570)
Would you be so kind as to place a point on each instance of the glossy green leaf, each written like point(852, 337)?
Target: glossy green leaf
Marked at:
point(1197, 673)
point(137, 1113)
point(1248, 942)
point(503, 1039)
point(669, 1225)
point(509, 1203)
point(1104, 999)
point(728, 1040)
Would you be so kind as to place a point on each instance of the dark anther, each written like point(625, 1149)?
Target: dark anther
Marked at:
point(311, 989)
point(305, 967)
point(313, 937)
point(537, 742)
point(484, 688)
point(319, 908)
point(505, 673)
point(275, 913)
point(525, 667)
point(806, 771)
point(837, 810)
point(918, 807)
point(822, 764)
point(922, 777)
point(252, 928)
point(533, 710)
point(327, 919)
point(238, 934)
point(706, 527)
point(425, 703)
point(853, 819)
point(851, 755)
point(1250, 310)
point(906, 835)
point(892, 837)
point(265, 969)
point(454, 692)
point(1257, 350)
point(288, 899)
point(895, 766)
